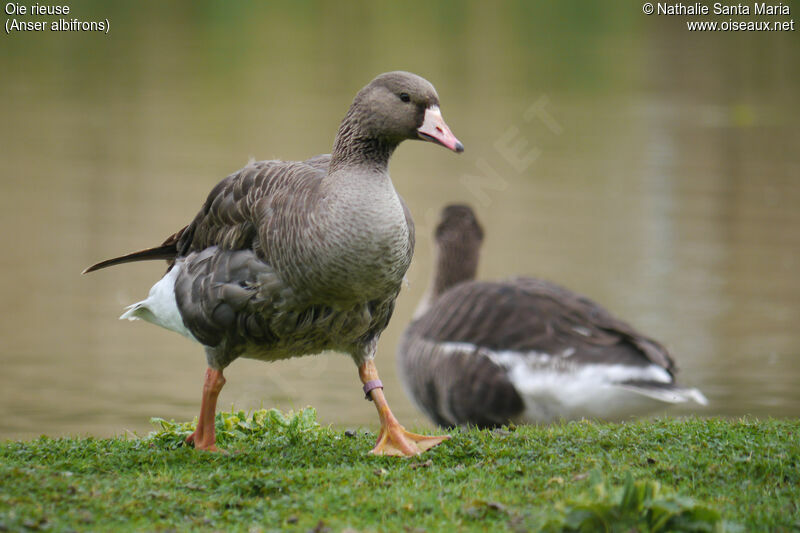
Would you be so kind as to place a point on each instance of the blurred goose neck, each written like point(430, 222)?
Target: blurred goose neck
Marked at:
point(455, 263)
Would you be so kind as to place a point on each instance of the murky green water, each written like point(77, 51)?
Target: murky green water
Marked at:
point(654, 170)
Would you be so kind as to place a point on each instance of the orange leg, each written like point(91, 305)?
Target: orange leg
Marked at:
point(393, 439)
point(204, 437)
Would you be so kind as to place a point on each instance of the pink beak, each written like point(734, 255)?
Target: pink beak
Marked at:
point(434, 129)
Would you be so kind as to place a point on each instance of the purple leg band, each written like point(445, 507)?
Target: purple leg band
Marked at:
point(369, 385)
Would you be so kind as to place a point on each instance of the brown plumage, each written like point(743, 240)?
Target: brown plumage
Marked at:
point(487, 353)
point(290, 258)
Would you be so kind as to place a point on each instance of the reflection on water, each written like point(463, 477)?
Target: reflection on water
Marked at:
point(660, 177)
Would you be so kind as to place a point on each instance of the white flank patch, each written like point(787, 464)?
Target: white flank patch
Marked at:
point(160, 307)
point(554, 387)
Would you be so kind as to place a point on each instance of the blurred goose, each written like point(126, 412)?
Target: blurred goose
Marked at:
point(525, 350)
point(289, 258)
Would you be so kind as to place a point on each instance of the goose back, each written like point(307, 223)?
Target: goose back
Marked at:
point(528, 314)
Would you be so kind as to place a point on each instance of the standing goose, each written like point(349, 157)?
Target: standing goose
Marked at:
point(524, 350)
point(290, 258)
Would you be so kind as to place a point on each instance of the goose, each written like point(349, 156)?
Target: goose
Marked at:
point(291, 258)
point(488, 353)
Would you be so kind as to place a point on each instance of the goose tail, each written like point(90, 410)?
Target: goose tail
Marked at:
point(165, 251)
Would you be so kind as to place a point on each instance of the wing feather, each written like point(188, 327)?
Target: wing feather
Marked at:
point(234, 210)
point(527, 314)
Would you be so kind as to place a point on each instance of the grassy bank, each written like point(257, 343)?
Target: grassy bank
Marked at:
point(286, 472)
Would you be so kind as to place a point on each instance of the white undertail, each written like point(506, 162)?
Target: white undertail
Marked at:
point(160, 307)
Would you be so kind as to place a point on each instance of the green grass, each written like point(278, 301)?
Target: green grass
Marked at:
point(288, 473)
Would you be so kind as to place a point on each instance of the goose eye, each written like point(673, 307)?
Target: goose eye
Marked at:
point(404, 97)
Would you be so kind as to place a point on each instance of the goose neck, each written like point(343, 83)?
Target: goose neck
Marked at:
point(356, 147)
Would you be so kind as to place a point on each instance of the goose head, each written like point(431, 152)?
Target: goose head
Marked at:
point(394, 107)
point(402, 105)
point(458, 228)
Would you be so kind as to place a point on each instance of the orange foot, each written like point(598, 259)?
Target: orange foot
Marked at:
point(202, 444)
point(395, 440)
